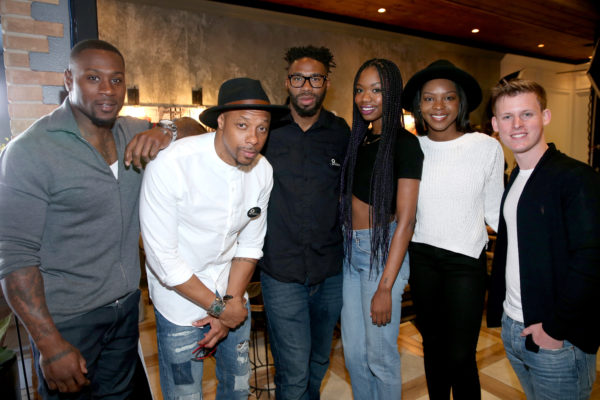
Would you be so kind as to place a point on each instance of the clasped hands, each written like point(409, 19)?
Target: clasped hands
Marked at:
point(234, 314)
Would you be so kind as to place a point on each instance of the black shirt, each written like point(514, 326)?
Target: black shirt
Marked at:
point(304, 238)
point(408, 163)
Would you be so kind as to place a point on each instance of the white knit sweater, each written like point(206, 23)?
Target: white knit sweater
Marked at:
point(461, 189)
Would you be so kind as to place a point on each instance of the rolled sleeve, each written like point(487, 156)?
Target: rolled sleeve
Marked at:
point(252, 237)
point(158, 218)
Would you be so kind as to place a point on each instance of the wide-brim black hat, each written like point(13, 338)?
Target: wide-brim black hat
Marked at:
point(442, 69)
point(241, 94)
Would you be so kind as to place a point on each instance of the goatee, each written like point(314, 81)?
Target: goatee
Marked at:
point(307, 112)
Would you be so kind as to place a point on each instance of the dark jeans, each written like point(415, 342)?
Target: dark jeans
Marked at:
point(107, 338)
point(448, 291)
point(301, 319)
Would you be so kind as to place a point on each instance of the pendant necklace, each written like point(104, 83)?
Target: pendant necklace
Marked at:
point(371, 138)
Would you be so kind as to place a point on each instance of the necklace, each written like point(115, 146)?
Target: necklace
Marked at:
point(370, 139)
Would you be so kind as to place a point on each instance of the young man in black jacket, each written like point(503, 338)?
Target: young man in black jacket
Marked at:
point(546, 273)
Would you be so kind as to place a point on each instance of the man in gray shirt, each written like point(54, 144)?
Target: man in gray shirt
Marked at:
point(69, 229)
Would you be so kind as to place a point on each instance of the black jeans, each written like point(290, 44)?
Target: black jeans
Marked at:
point(448, 291)
point(107, 338)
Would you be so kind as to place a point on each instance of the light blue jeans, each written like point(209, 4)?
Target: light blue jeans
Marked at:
point(181, 378)
point(371, 351)
point(565, 374)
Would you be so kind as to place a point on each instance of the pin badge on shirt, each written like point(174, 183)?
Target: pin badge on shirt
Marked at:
point(334, 163)
point(254, 212)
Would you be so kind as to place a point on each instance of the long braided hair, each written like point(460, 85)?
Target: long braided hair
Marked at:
point(382, 180)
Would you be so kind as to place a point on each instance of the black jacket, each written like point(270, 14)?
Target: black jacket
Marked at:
point(558, 225)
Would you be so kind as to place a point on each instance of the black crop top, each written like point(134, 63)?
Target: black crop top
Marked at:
point(408, 162)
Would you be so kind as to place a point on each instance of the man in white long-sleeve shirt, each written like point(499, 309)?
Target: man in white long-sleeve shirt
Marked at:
point(203, 216)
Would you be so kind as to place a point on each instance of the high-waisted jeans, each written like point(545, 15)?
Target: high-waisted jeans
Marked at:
point(370, 351)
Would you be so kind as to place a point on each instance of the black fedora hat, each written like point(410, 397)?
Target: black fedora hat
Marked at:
point(442, 69)
point(241, 94)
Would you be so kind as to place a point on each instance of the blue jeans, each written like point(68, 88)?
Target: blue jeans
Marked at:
point(181, 378)
point(107, 338)
point(300, 320)
point(565, 374)
point(371, 351)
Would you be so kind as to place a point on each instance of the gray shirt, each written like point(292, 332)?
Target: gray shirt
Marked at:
point(63, 210)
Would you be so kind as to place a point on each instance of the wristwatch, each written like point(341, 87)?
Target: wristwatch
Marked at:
point(169, 127)
point(218, 305)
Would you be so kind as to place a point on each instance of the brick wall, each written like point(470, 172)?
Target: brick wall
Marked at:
point(24, 35)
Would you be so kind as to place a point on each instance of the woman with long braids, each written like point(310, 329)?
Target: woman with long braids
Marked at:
point(460, 191)
point(380, 186)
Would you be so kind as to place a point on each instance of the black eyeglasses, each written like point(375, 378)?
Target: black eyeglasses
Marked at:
point(316, 81)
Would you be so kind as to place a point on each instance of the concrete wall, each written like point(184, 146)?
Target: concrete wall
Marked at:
point(172, 46)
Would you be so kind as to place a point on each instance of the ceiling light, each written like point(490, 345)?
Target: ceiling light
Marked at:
point(475, 30)
point(541, 45)
point(381, 10)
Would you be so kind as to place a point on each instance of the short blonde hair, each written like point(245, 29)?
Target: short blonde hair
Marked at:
point(518, 86)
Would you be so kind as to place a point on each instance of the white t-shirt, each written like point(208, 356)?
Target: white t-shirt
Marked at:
point(194, 217)
point(512, 303)
point(114, 167)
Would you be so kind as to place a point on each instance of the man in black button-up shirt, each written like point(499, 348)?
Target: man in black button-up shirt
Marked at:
point(301, 269)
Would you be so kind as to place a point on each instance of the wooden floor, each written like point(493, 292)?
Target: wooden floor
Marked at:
point(497, 378)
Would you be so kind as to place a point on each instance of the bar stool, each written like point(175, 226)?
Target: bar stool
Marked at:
point(262, 368)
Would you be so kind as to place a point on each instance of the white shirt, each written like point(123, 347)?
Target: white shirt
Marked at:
point(194, 219)
point(512, 303)
point(461, 189)
point(114, 167)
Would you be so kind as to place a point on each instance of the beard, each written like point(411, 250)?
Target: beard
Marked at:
point(103, 123)
point(95, 119)
point(310, 111)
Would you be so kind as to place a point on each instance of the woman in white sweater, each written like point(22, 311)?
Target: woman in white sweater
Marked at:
point(461, 188)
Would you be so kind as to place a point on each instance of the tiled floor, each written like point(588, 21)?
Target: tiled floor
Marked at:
point(498, 381)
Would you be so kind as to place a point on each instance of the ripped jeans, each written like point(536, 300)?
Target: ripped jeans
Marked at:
point(181, 378)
